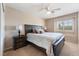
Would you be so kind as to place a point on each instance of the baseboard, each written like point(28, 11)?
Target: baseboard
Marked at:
point(7, 49)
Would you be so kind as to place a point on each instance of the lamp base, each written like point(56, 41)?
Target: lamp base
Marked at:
point(19, 33)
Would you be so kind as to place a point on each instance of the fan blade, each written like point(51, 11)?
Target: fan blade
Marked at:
point(53, 11)
point(57, 9)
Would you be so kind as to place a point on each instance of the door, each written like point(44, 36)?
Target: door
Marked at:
point(2, 29)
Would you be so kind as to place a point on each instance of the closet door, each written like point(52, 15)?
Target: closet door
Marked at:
point(0, 29)
point(2, 34)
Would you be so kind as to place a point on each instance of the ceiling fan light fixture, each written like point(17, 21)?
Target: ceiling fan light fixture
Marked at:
point(48, 12)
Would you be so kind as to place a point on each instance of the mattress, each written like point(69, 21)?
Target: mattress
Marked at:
point(54, 37)
point(39, 40)
point(42, 40)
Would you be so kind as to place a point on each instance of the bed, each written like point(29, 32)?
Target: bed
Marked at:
point(40, 41)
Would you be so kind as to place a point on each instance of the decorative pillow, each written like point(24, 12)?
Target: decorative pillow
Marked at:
point(34, 30)
point(45, 29)
point(37, 31)
point(40, 30)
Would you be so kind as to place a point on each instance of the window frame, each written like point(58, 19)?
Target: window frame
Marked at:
point(62, 21)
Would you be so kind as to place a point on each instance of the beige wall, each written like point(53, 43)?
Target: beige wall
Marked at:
point(0, 29)
point(49, 23)
point(69, 36)
point(13, 18)
point(78, 27)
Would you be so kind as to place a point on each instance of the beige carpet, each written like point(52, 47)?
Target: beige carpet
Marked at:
point(25, 51)
point(69, 49)
point(0, 53)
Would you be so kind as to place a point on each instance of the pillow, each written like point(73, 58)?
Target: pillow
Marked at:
point(34, 30)
point(40, 30)
point(45, 29)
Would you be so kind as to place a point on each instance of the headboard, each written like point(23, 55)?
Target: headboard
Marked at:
point(28, 28)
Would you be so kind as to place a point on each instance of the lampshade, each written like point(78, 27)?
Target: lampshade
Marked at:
point(45, 28)
point(19, 27)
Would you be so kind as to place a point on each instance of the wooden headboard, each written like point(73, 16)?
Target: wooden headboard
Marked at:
point(28, 28)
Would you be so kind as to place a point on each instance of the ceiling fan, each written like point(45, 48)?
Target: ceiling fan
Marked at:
point(48, 9)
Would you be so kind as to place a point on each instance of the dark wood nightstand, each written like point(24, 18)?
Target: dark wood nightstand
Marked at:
point(19, 41)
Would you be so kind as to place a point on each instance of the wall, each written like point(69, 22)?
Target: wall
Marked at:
point(49, 23)
point(0, 29)
point(69, 36)
point(13, 18)
point(78, 32)
point(78, 28)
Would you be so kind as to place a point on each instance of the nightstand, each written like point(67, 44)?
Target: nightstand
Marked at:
point(19, 41)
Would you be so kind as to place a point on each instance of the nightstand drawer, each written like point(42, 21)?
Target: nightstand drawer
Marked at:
point(19, 42)
point(19, 45)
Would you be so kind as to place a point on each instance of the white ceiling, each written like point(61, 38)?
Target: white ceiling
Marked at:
point(34, 8)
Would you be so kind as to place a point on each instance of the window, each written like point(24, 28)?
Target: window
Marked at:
point(68, 24)
point(60, 25)
point(65, 24)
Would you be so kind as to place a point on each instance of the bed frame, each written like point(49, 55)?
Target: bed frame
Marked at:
point(57, 46)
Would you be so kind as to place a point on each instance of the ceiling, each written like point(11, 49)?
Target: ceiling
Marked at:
point(35, 8)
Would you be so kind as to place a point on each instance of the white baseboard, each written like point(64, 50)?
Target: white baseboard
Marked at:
point(10, 48)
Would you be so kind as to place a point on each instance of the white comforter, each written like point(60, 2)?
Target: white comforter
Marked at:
point(44, 40)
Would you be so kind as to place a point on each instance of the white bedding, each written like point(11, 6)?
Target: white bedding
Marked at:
point(53, 36)
point(44, 40)
point(50, 35)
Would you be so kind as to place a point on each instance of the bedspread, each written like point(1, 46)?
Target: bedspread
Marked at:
point(41, 41)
